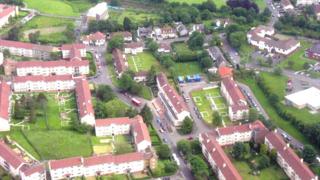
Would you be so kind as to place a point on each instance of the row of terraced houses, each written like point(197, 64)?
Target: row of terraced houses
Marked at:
point(67, 75)
point(212, 148)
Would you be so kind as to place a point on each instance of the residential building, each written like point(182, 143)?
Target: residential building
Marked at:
point(261, 37)
point(66, 168)
point(5, 104)
point(314, 51)
point(306, 2)
point(287, 159)
point(120, 62)
point(286, 5)
point(238, 107)
point(181, 29)
point(217, 56)
point(73, 51)
point(10, 161)
point(176, 108)
point(145, 32)
point(84, 102)
point(98, 12)
point(140, 76)
point(27, 49)
point(133, 48)
point(41, 83)
point(165, 32)
point(7, 12)
point(127, 36)
point(316, 10)
point(46, 68)
point(197, 27)
point(95, 39)
point(35, 172)
point(225, 72)
point(218, 160)
point(164, 48)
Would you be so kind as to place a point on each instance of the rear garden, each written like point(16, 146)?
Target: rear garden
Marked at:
point(208, 102)
point(141, 62)
point(137, 16)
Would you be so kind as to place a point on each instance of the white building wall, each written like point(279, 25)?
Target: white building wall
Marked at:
point(88, 119)
point(74, 171)
point(113, 129)
point(34, 176)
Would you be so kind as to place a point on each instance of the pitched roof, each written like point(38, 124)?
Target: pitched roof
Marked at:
point(316, 8)
point(5, 92)
point(11, 157)
point(94, 36)
point(29, 170)
point(84, 102)
point(22, 79)
point(72, 46)
point(316, 47)
point(116, 159)
point(225, 71)
point(49, 64)
point(23, 45)
point(222, 161)
point(109, 121)
point(64, 163)
point(119, 60)
point(175, 99)
point(133, 45)
point(141, 130)
point(5, 10)
point(301, 169)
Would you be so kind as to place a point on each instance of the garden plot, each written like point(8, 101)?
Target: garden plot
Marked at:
point(142, 62)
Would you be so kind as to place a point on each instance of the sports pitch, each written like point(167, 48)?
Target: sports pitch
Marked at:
point(208, 101)
point(141, 62)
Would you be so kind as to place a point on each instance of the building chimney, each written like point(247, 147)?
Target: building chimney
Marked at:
point(224, 165)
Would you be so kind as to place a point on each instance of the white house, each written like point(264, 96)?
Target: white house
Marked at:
point(127, 36)
point(98, 12)
point(43, 83)
point(165, 32)
point(96, 39)
point(6, 12)
point(66, 168)
point(46, 68)
point(176, 108)
point(5, 106)
point(133, 48)
point(306, 2)
point(35, 172)
point(10, 161)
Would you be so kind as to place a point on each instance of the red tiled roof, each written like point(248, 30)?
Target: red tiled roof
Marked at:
point(11, 157)
point(175, 99)
point(225, 71)
point(5, 10)
point(95, 36)
point(21, 79)
point(301, 169)
point(117, 159)
point(109, 121)
point(23, 45)
point(165, 46)
point(40, 168)
point(5, 92)
point(119, 60)
point(141, 130)
point(83, 97)
point(222, 161)
point(48, 64)
point(64, 163)
point(72, 46)
point(133, 45)
point(236, 95)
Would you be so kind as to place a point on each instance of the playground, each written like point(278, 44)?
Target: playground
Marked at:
point(209, 100)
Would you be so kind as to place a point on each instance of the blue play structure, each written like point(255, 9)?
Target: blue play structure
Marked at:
point(181, 79)
point(189, 78)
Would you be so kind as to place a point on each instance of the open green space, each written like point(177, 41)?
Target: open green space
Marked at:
point(142, 61)
point(55, 38)
point(207, 100)
point(136, 16)
point(60, 7)
point(92, 64)
point(183, 53)
point(44, 22)
point(261, 3)
point(187, 68)
point(298, 58)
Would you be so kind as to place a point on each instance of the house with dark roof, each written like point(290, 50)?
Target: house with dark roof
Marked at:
point(181, 29)
point(145, 32)
point(313, 52)
point(286, 5)
point(176, 108)
point(217, 56)
point(316, 10)
point(33, 172)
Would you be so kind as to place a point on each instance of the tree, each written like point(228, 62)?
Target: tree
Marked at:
point(308, 153)
point(273, 155)
point(238, 150)
point(170, 166)
point(187, 126)
point(34, 37)
point(131, 112)
point(196, 40)
point(163, 151)
point(55, 55)
point(263, 162)
point(184, 146)
point(215, 41)
point(196, 147)
point(104, 93)
point(216, 119)
point(151, 77)
point(236, 39)
point(306, 66)
point(199, 167)
point(6, 53)
point(152, 45)
point(125, 82)
point(116, 41)
point(146, 114)
point(14, 33)
point(263, 149)
point(206, 62)
point(253, 114)
point(127, 24)
point(277, 71)
point(290, 64)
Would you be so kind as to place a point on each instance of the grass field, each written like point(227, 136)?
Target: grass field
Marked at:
point(183, 51)
point(59, 7)
point(43, 22)
point(187, 68)
point(136, 16)
point(142, 61)
point(204, 104)
point(298, 58)
point(219, 3)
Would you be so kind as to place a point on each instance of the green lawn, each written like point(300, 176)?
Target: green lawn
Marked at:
point(183, 51)
point(116, 108)
point(204, 106)
point(298, 58)
point(43, 22)
point(146, 93)
point(136, 16)
point(55, 38)
point(123, 144)
point(187, 68)
point(60, 7)
point(272, 172)
point(92, 64)
point(219, 3)
point(142, 61)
